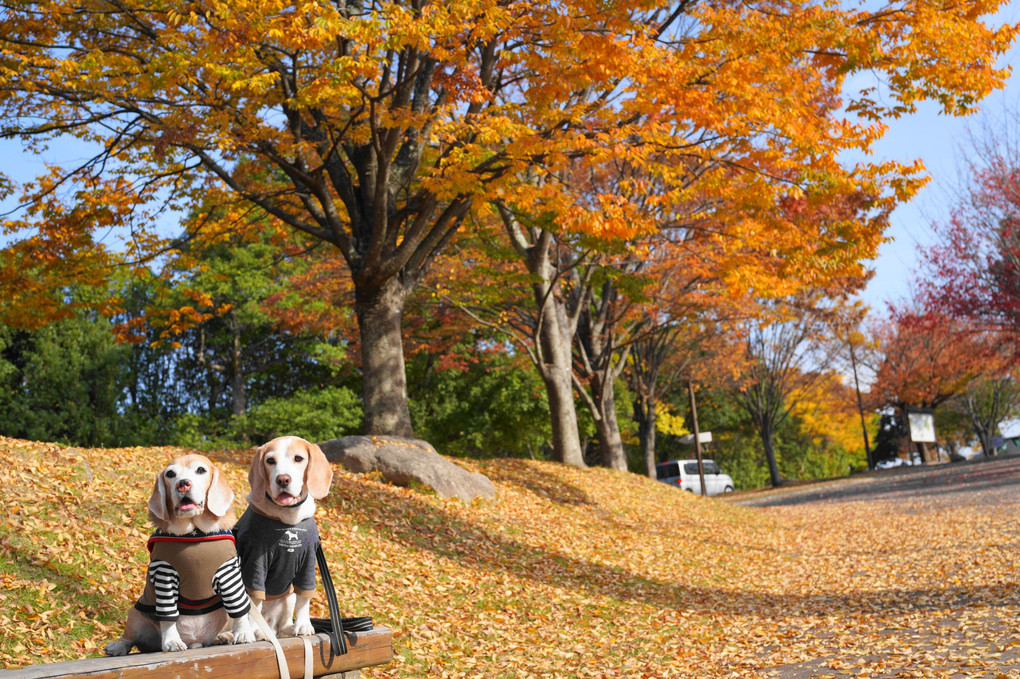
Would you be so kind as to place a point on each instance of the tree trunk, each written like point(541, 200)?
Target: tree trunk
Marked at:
point(770, 456)
point(566, 443)
point(644, 415)
point(986, 444)
point(553, 351)
point(596, 361)
point(384, 388)
point(238, 397)
point(550, 352)
point(984, 423)
point(556, 371)
point(647, 356)
point(610, 441)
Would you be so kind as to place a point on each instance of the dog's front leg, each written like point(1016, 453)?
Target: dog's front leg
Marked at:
point(170, 638)
point(243, 632)
point(140, 630)
point(119, 647)
point(302, 618)
point(284, 607)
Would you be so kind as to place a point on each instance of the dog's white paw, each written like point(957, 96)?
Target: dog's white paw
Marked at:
point(246, 638)
point(173, 645)
point(170, 638)
point(243, 633)
point(118, 648)
point(300, 629)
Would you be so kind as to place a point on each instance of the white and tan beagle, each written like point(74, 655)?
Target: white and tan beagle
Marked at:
point(277, 535)
point(194, 595)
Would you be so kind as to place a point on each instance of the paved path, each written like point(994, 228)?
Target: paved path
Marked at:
point(987, 482)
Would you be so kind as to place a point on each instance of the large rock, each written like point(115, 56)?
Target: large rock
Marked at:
point(403, 460)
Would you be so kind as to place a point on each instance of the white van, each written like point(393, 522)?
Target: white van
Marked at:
point(684, 473)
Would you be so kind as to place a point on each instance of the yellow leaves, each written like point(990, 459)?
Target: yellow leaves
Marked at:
point(669, 423)
point(257, 84)
point(568, 573)
point(826, 411)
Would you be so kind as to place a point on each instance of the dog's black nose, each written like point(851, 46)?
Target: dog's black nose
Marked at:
point(283, 480)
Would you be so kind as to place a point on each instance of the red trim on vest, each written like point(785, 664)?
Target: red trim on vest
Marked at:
point(197, 605)
point(201, 537)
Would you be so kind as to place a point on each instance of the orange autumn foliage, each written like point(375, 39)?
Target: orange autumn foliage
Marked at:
point(380, 128)
point(744, 106)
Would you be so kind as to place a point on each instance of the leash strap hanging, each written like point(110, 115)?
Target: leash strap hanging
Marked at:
point(307, 641)
point(338, 642)
point(281, 661)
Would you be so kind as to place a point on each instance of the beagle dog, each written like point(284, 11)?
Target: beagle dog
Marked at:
point(194, 594)
point(277, 535)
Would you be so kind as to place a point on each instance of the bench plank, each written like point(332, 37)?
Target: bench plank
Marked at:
point(241, 661)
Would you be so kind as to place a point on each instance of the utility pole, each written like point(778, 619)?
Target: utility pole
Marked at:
point(860, 404)
point(697, 437)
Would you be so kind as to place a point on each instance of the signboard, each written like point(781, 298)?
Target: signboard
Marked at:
point(922, 426)
point(703, 437)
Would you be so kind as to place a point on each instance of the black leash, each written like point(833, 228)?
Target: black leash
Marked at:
point(335, 626)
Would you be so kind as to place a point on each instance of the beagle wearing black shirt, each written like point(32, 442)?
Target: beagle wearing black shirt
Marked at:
point(277, 535)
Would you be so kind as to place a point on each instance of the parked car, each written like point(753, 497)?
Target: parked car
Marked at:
point(889, 464)
point(684, 473)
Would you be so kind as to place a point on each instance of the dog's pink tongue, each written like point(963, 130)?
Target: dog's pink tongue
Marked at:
point(188, 505)
point(285, 499)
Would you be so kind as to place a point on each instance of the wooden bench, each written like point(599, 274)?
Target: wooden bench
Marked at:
point(241, 661)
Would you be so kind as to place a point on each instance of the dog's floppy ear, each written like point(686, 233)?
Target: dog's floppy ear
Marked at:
point(319, 473)
point(257, 475)
point(158, 507)
point(219, 497)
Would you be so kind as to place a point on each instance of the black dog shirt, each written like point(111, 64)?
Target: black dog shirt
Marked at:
point(276, 557)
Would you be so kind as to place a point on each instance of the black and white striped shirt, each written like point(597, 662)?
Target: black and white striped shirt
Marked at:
point(193, 574)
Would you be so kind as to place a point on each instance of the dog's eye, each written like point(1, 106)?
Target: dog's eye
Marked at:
point(201, 470)
point(270, 461)
point(299, 458)
point(170, 474)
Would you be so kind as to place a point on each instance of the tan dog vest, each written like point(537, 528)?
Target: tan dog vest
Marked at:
point(193, 574)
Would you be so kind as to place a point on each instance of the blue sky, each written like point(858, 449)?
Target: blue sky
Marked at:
point(941, 142)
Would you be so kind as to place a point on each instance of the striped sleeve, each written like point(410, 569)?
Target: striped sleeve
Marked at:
point(227, 582)
point(166, 584)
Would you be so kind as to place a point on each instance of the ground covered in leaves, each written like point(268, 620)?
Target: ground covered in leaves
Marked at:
point(568, 573)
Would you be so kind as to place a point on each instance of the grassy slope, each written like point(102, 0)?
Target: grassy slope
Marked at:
point(567, 573)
